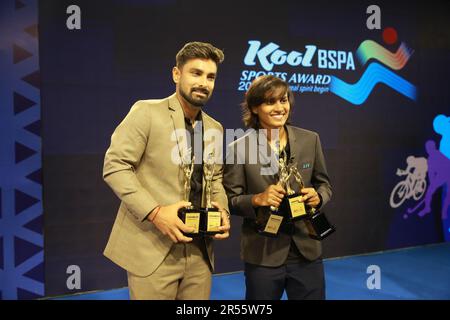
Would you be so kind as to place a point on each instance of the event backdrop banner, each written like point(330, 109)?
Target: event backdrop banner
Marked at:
point(370, 79)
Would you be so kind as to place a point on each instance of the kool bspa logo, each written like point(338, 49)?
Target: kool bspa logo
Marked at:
point(379, 60)
point(271, 55)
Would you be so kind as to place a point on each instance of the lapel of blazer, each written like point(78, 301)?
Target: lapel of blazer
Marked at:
point(293, 145)
point(267, 158)
point(207, 125)
point(263, 148)
point(177, 116)
point(264, 151)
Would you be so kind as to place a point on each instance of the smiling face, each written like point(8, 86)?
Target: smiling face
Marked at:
point(274, 112)
point(195, 81)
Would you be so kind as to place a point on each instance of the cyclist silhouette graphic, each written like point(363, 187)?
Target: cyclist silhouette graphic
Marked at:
point(438, 176)
point(414, 184)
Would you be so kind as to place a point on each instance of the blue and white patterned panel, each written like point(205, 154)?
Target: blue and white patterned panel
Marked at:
point(21, 215)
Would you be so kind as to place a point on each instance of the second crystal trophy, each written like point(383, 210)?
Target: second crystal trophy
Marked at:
point(317, 223)
point(212, 219)
point(292, 204)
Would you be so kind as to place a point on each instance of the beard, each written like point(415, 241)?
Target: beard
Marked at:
point(196, 101)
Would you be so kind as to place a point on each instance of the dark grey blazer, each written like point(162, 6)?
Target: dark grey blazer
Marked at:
point(243, 178)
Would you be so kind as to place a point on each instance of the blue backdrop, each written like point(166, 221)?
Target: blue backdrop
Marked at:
point(375, 96)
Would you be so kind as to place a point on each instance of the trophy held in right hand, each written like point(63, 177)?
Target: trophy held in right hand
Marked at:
point(268, 222)
point(191, 216)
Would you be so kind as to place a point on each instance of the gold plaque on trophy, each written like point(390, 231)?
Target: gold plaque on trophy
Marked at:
point(296, 206)
point(273, 224)
point(212, 215)
point(192, 219)
point(214, 221)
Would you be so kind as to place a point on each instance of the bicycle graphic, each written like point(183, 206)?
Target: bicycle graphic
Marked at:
point(412, 186)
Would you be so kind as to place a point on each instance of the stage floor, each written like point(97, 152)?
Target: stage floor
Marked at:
point(419, 273)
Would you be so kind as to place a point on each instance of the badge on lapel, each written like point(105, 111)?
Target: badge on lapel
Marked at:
point(306, 165)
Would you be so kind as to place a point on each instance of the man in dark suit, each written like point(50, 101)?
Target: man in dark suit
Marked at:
point(290, 261)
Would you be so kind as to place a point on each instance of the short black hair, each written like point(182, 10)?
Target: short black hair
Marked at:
point(198, 50)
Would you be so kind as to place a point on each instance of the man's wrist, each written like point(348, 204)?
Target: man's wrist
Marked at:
point(154, 213)
point(320, 201)
point(255, 200)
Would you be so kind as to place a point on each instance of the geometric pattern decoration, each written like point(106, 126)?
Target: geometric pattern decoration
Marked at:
point(21, 214)
point(34, 128)
point(21, 103)
point(20, 54)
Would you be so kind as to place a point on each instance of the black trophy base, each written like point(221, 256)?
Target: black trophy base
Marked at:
point(192, 217)
point(294, 207)
point(212, 220)
point(318, 226)
point(268, 234)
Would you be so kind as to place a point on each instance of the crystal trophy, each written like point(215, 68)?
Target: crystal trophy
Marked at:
point(268, 223)
point(212, 219)
point(317, 223)
point(190, 216)
point(293, 204)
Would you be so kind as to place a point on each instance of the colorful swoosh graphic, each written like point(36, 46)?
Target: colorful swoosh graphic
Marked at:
point(369, 49)
point(375, 73)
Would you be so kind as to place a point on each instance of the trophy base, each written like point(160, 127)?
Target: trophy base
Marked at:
point(267, 234)
point(272, 226)
point(212, 220)
point(318, 226)
point(191, 217)
point(294, 207)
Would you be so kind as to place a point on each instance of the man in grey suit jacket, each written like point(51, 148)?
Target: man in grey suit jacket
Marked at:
point(142, 168)
point(276, 264)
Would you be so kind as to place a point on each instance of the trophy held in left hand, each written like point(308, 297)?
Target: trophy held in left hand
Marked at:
point(292, 204)
point(212, 218)
point(317, 223)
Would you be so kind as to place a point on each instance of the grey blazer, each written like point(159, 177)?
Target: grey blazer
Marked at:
point(243, 179)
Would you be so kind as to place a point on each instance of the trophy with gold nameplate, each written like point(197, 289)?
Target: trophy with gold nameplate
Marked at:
point(293, 205)
point(268, 222)
point(317, 223)
point(191, 216)
point(212, 218)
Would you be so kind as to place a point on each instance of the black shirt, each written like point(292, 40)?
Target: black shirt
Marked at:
point(195, 196)
point(294, 255)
